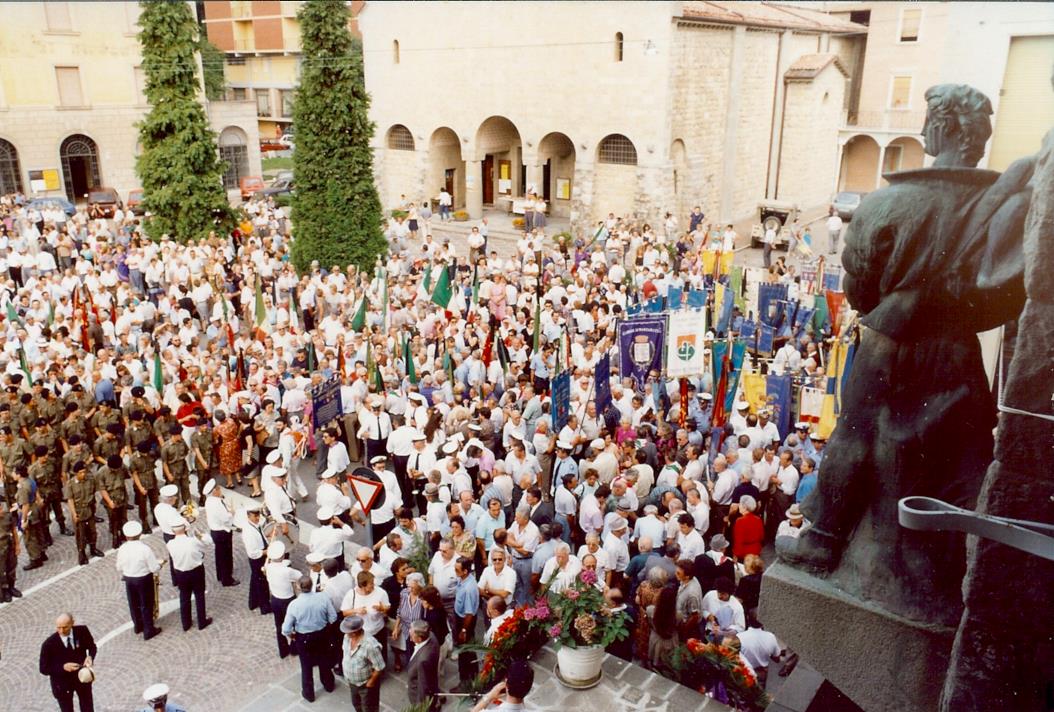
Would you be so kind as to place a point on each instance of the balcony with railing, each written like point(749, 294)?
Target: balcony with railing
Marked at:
point(891, 120)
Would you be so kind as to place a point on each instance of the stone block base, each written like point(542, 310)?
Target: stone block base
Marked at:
point(882, 662)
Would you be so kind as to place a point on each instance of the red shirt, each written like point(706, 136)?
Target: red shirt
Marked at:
point(748, 534)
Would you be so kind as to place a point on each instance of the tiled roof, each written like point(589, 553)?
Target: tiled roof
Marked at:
point(808, 66)
point(763, 14)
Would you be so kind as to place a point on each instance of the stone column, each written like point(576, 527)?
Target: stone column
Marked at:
point(473, 189)
point(878, 169)
point(582, 198)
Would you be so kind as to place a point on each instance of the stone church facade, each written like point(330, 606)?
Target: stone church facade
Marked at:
point(631, 108)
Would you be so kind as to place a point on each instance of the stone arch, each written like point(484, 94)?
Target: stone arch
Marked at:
point(79, 156)
point(617, 149)
point(859, 164)
point(234, 149)
point(679, 176)
point(556, 160)
point(10, 170)
point(446, 166)
point(399, 138)
point(499, 149)
point(903, 153)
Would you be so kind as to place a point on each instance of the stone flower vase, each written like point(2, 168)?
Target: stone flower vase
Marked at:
point(579, 668)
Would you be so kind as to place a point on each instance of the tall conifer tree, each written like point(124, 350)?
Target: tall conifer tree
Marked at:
point(336, 210)
point(180, 168)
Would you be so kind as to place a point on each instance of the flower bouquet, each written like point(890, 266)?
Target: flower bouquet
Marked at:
point(718, 671)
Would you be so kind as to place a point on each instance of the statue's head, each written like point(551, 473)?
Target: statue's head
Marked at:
point(958, 124)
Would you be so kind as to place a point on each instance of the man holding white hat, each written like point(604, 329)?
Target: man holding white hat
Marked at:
point(281, 578)
point(333, 496)
point(280, 504)
point(329, 537)
point(137, 565)
point(220, 519)
point(255, 542)
point(419, 464)
point(156, 698)
point(188, 568)
point(375, 425)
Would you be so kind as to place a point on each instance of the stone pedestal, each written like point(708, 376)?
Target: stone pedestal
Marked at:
point(895, 664)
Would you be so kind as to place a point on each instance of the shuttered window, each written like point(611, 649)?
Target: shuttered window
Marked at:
point(900, 96)
point(910, 21)
point(69, 81)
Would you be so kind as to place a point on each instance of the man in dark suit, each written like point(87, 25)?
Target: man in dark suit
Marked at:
point(422, 674)
point(62, 655)
point(541, 512)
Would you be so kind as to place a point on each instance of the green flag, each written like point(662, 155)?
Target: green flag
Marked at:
point(261, 310)
point(384, 299)
point(536, 346)
point(12, 315)
point(503, 355)
point(358, 322)
point(51, 313)
point(408, 357)
point(159, 380)
point(737, 287)
point(378, 380)
point(559, 356)
point(475, 287)
point(24, 365)
point(426, 281)
point(312, 357)
point(443, 292)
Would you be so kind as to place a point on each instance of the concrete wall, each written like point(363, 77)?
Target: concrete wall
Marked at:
point(754, 121)
point(615, 188)
point(809, 158)
point(401, 175)
point(859, 165)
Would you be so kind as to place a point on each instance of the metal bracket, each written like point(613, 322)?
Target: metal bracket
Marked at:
point(929, 514)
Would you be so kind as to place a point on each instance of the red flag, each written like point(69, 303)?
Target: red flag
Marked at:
point(76, 299)
point(230, 336)
point(683, 421)
point(340, 357)
point(834, 305)
point(91, 303)
point(719, 415)
point(85, 342)
point(239, 372)
point(488, 348)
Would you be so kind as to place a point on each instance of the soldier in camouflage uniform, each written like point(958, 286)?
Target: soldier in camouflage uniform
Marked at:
point(174, 462)
point(203, 454)
point(104, 416)
point(109, 443)
point(78, 452)
point(9, 549)
point(31, 511)
point(111, 480)
point(43, 434)
point(85, 401)
point(45, 472)
point(144, 483)
point(12, 456)
point(163, 423)
point(50, 408)
point(80, 492)
point(73, 424)
point(27, 416)
point(139, 432)
point(138, 403)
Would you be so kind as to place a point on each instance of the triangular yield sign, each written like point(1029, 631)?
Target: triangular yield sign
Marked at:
point(366, 491)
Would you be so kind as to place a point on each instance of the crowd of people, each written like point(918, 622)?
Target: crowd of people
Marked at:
point(150, 380)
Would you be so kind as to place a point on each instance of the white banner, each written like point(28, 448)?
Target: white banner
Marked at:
point(684, 356)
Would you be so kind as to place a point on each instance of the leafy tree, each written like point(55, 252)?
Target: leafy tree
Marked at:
point(180, 168)
point(212, 66)
point(336, 210)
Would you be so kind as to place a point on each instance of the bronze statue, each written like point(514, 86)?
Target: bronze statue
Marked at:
point(917, 414)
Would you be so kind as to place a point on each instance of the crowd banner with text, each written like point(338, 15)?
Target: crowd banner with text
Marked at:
point(685, 355)
point(641, 344)
point(325, 402)
point(603, 383)
point(561, 400)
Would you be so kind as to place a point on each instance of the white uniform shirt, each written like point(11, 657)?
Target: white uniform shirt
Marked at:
point(280, 578)
point(254, 540)
point(329, 540)
point(167, 517)
point(332, 497)
point(187, 553)
point(218, 516)
point(135, 559)
point(373, 621)
point(278, 503)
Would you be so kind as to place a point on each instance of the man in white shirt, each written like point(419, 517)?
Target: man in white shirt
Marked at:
point(137, 565)
point(330, 536)
point(280, 504)
point(497, 579)
point(281, 578)
point(561, 570)
point(255, 542)
point(617, 552)
point(689, 538)
point(498, 612)
point(441, 574)
point(220, 519)
point(834, 231)
point(188, 567)
point(375, 425)
point(522, 539)
point(382, 516)
point(722, 611)
point(758, 647)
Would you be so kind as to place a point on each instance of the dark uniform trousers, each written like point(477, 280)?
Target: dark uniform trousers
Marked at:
point(117, 518)
point(146, 503)
point(224, 555)
point(140, 593)
point(314, 650)
point(278, 608)
point(191, 583)
point(52, 498)
point(86, 533)
point(258, 593)
point(8, 560)
point(399, 463)
point(375, 448)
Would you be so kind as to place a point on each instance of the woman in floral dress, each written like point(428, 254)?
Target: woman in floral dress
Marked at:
point(229, 446)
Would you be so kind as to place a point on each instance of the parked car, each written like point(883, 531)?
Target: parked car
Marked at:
point(287, 140)
point(135, 201)
point(282, 186)
point(106, 198)
point(846, 202)
point(49, 203)
point(774, 214)
point(249, 185)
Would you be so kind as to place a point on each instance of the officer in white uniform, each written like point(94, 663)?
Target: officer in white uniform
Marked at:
point(280, 505)
point(330, 535)
point(137, 565)
point(382, 517)
point(255, 542)
point(220, 518)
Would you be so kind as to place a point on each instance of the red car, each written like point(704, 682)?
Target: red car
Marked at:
point(249, 185)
